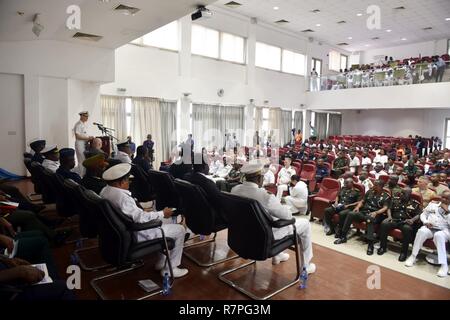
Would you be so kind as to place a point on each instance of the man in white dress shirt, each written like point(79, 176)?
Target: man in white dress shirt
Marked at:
point(252, 188)
point(81, 138)
point(51, 155)
point(354, 162)
point(378, 171)
point(269, 176)
point(120, 197)
point(436, 225)
point(284, 177)
point(123, 152)
point(297, 200)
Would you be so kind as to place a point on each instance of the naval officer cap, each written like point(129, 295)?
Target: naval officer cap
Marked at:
point(50, 149)
point(36, 143)
point(123, 143)
point(66, 153)
point(252, 169)
point(117, 172)
point(84, 113)
point(97, 161)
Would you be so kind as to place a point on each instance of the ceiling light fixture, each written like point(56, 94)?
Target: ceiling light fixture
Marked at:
point(350, 38)
point(318, 25)
point(404, 39)
point(447, 19)
point(276, 8)
point(388, 30)
point(359, 14)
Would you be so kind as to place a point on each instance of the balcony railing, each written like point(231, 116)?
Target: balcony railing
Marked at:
point(406, 75)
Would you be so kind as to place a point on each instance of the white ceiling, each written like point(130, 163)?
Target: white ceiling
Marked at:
point(97, 18)
point(408, 23)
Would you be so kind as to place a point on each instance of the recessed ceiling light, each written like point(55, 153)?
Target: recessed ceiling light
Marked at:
point(447, 19)
point(388, 30)
point(318, 25)
point(359, 14)
point(404, 39)
point(367, 45)
point(350, 38)
point(276, 8)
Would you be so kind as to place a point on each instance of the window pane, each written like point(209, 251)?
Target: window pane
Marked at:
point(265, 126)
point(335, 60)
point(232, 48)
point(293, 62)
point(165, 37)
point(447, 143)
point(265, 113)
point(448, 128)
point(268, 56)
point(344, 62)
point(205, 41)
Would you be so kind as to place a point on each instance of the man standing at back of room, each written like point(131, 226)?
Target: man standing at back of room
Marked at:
point(81, 139)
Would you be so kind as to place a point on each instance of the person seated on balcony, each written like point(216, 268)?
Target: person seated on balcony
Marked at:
point(284, 177)
point(297, 200)
point(422, 188)
point(347, 199)
point(378, 171)
point(321, 170)
point(436, 185)
point(404, 214)
point(436, 226)
point(372, 210)
point(340, 165)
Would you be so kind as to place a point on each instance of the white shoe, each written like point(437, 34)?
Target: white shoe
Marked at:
point(177, 272)
point(443, 270)
point(410, 261)
point(311, 268)
point(160, 264)
point(281, 257)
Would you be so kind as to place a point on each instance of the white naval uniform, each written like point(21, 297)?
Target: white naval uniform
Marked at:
point(381, 159)
point(222, 173)
point(284, 178)
point(378, 174)
point(366, 162)
point(278, 211)
point(440, 233)
point(122, 200)
point(215, 166)
point(269, 178)
point(50, 165)
point(297, 201)
point(80, 145)
point(354, 164)
point(123, 157)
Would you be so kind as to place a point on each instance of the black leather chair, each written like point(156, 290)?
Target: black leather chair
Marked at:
point(44, 185)
point(66, 204)
point(88, 223)
point(118, 244)
point(166, 194)
point(250, 235)
point(34, 196)
point(202, 219)
point(140, 187)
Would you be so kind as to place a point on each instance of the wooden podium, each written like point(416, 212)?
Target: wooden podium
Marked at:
point(106, 145)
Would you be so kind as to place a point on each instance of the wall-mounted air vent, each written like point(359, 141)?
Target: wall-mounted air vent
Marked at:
point(282, 21)
point(343, 44)
point(233, 4)
point(126, 10)
point(307, 30)
point(87, 36)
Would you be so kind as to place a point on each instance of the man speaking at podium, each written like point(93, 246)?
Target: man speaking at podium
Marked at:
point(81, 139)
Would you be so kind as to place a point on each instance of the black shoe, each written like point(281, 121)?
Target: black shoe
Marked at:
point(187, 236)
point(330, 232)
point(341, 240)
point(370, 249)
point(381, 251)
point(61, 237)
point(338, 234)
point(402, 257)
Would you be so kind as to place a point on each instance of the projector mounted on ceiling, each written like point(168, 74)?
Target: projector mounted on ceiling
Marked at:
point(201, 13)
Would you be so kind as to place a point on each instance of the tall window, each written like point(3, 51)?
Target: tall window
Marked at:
point(447, 133)
point(165, 37)
point(293, 63)
point(128, 106)
point(335, 61)
point(344, 62)
point(205, 41)
point(232, 48)
point(268, 57)
point(317, 65)
point(265, 116)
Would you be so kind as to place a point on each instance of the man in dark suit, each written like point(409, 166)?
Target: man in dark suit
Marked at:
point(67, 160)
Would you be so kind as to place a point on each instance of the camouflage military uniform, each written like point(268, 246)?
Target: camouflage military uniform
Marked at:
point(372, 202)
point(339, 163)
point(346, 196)
point(233, 179)
point(401, 210)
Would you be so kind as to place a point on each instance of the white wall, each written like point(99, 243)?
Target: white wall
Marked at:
point(395, 122)
point(430, 95)
point(429, 48)
point(12, 129)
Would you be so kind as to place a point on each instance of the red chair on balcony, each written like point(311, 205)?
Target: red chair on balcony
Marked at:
point(308, 175)
point(317, 203)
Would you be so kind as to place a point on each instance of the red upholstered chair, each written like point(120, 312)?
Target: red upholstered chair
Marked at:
point(298, 167)
point(317, 203)
point(402, 185)
point(308, 175)
point(384, 178)
point(272, 188)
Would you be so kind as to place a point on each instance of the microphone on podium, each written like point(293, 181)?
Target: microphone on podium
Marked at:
point(98, 124)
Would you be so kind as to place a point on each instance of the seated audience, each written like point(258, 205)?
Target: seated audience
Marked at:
point(378, 171)
point(366, 162)
point(120, 197)
point(252, 188)
point(297, 200)
point(124, 152)
point(95, 166)
point(142, 159)
point(269, 176)
point(381, 157)
point(354, 162)
point(37, 146)
point(95, 148)
point(436, 220)
point(390, 166)
point(340, 165)
point(423, 189)
point(51, 155)
point(436, 184)
point(321, 170)
point(67, 163)
point(284, 177)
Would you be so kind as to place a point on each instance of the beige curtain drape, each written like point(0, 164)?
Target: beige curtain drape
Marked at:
point(258, 119)
point(114, 115)
point(275, 125)
point(146, 119)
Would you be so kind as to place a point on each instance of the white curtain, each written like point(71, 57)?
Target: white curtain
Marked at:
point(146, 119)
point(286, 126)
point(114, 115)
point(335, 124)
point(321, 125)
point(168, 128)
point(275, 125)
point(233, 121)
point(298, 120)
point(258, 118)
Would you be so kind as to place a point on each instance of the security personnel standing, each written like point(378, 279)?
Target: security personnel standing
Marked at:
point(403, 214)
point(347, 199)
point(81, 139)
point(372, 210)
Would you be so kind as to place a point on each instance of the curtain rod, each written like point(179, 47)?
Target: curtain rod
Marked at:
point(220, 104)
point(131, 97)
